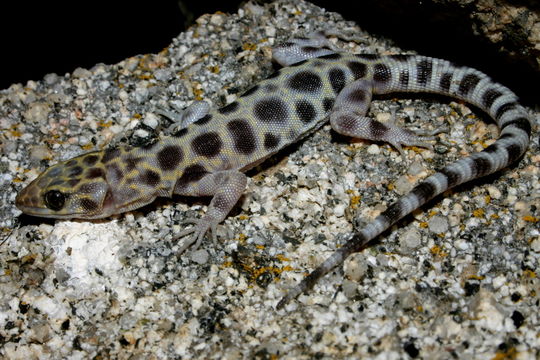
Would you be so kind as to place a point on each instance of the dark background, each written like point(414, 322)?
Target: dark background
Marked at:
point(41, 37)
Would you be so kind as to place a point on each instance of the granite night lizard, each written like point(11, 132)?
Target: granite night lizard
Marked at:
point(210, 153)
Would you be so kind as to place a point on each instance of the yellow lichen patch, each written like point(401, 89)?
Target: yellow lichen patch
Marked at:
point(243, 217)
point(479, 213)
point(529, 273)
point(104, 124)
point(494, 216)
point(87, 147)
point(476, 277)
point(249, 46)
point(260, 247)
point(438, 251)
point(214, 69)
point(14, 132)
point(241, 238)
point(433, 213)
point(530, 218)
point(487, 199)
point(423, 224)
point(390, 186)
point(355, 201)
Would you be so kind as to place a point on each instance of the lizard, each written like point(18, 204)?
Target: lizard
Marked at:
point(212, 148)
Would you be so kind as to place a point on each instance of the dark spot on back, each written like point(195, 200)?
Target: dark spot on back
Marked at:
point(75, 171)
point(90, 160)
point(270, 141)
point(334, 56)
point(114, 173)
point(180, 133)
point(299, 63)
point(358, 69)
point(150, 178)
point(250, 91)
point(191, 174)
point(232, 107)
point(328, 103)
point(271, 110)
point(71, 163)
point(204, 120)
point(243, 136)
point(208, 144)
point(275, 74)
point(169, 157)
point(93, 173)
point(110, 154)
point(305, 111)
point(337, 79)
point(74, 182)
point(131, 163)
point(305, 81)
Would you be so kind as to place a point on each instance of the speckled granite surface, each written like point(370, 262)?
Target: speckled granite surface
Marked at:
point(458, 279)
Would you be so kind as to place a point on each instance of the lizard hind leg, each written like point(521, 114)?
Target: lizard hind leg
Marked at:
point(348, 117)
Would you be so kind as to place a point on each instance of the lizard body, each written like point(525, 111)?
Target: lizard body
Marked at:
point(209, 155)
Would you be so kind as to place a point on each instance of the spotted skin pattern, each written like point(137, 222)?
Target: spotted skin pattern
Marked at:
point(208, 157)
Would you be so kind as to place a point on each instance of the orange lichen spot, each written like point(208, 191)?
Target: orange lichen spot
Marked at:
point(433, 213)
point(390, 186)
point(487, 199)
point(423, 224)
point(479, 213)
point(281, 257)
point(529, 273)
point(243, 217)
point(531, 219)
point(494, 216)
point(260, 247)
point(509, 354)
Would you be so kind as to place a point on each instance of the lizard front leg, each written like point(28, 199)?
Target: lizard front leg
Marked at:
point(226, 187)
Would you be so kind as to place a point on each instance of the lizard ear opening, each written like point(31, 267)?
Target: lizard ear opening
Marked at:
point(54, 200)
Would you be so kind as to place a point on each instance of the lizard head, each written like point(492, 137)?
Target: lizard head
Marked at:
point(76, 188)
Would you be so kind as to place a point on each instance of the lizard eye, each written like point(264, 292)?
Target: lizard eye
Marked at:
point(54, 200)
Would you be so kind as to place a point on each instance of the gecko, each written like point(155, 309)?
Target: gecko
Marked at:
point(212, 148)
